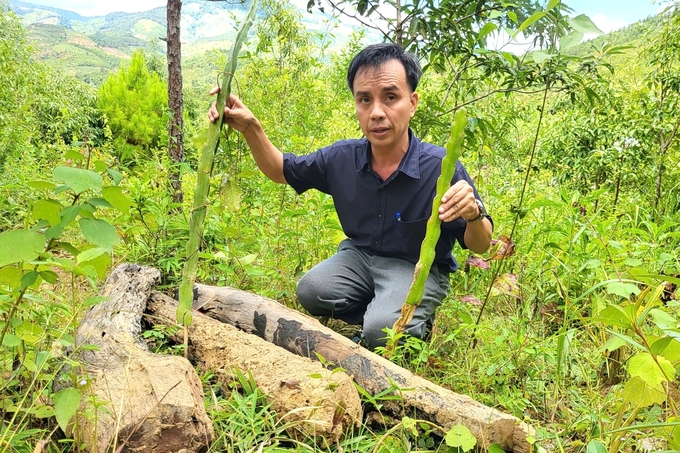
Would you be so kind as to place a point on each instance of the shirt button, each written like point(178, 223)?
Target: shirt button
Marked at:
point(379, 215)
point(375, 242)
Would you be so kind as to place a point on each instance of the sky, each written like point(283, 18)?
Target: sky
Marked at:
point(611, 15)
point(608, 15)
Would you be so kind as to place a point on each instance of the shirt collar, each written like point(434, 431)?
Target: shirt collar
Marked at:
point(409, 163)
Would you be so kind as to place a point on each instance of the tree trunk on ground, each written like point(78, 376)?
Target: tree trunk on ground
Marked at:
point(175, 99)
point(313, 400)
point(154, 402)
point(305, 336)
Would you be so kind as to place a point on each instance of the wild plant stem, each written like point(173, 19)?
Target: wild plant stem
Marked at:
point(519, 205)
point(196, 223)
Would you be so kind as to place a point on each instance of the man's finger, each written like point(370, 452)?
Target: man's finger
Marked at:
point(213, 114)
point(215, 90)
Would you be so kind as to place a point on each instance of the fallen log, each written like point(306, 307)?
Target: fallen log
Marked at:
point(154, 402)
point(312, 399)
point(305, 336)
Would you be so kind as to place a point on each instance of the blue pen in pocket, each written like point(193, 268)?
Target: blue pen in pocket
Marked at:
point(397, 219)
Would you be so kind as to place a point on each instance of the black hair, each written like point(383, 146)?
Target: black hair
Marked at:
point(376, 55)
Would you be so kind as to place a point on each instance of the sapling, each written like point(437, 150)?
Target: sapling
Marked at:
point(454, 147)
point(186, 292)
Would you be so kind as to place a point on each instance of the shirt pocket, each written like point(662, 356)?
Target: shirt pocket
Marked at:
point(410, 235)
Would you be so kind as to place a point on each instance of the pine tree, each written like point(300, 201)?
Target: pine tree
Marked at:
point(134, 101)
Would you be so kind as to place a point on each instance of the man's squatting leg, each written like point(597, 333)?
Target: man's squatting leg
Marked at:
point(392, 278)
point(339, 287)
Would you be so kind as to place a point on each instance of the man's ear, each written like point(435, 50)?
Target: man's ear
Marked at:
point(414, 103)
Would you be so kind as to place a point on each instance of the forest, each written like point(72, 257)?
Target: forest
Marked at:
point(570, 322)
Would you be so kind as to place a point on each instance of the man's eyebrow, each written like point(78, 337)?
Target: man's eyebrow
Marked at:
point(393, 87)
point(386, 89)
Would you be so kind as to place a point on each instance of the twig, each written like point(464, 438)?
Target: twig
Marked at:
point(519, 204)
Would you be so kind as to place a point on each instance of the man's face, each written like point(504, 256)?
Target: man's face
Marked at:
point(384, 106)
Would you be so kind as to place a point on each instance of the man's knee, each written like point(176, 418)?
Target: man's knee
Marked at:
point(374, 336)
point(374, 331)
point(307, 292)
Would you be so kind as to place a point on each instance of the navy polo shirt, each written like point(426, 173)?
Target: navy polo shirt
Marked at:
point(385, 218)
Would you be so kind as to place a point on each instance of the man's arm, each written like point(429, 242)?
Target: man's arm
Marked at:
point(478, 236)
point(267, 157)
point(460, 201)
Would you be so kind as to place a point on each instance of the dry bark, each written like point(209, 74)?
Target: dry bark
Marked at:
point(311, 399)
point(154, 402)
point(175, 98)
point(306, 337)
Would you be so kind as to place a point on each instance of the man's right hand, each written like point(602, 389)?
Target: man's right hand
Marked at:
point(236, 114)
point(267, 157)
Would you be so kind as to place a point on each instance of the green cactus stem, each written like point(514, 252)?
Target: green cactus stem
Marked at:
point(454, 148)
point(186, 288)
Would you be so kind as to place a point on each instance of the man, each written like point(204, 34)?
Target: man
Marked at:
point(382, 186)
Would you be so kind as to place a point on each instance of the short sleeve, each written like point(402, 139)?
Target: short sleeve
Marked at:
point(306, 172)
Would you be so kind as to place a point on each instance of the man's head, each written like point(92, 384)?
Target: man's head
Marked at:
point(383, 79)
point(376, 55)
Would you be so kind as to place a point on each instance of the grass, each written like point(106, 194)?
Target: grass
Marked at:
point(539, 350)
point(536, 352)
point(34, 357)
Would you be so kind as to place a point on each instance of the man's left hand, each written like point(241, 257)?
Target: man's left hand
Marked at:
point(458, 201)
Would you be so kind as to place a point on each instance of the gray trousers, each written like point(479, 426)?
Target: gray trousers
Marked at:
point(369, 290)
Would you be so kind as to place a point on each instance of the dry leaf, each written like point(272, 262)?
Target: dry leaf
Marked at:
point(476, 261)
point(472, 300)
point(501, 248)
point(506, 284)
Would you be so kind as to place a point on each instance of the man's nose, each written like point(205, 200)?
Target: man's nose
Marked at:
point(377, 111)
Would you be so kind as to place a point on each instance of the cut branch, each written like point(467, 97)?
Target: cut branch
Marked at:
point(306, 337)
point(314, 401)
point(154, 402)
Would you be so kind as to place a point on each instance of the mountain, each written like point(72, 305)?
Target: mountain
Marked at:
point(45, 14)
point(200, 20)
point(74, 53)
point(633, 35)
point(91, 47)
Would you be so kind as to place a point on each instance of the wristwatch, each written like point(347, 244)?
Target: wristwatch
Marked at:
point(482, 213)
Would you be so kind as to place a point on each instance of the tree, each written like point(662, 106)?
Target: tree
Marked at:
point(460, 40)
point(175, 98)
point(134, 102)
point(17, 77)
point(664, 99)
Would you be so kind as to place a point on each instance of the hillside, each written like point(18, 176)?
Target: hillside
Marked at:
point(90, 47)
point(74, 53)
point(200, 20)
point(632, 35)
